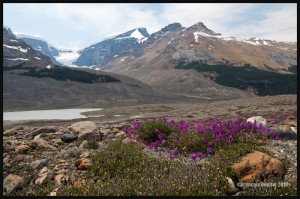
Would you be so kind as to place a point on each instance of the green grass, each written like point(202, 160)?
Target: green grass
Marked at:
point(123, 170)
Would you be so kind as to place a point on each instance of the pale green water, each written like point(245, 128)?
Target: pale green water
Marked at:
point(57, 114)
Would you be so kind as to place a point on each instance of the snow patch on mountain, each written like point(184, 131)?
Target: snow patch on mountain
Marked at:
point(253, 41)
point(17, 48)
point(250, 42)
point(16, 59)
point(136, 34)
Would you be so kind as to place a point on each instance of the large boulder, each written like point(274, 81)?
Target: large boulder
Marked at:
point(258, 165)
point(258, 120)
point(12, 183)
point(83, 127)
point(86, 130)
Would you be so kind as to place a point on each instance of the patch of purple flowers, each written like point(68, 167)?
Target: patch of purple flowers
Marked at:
point(203, 135)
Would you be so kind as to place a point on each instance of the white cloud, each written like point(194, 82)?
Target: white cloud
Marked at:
point(65, 24)
point(279, 23)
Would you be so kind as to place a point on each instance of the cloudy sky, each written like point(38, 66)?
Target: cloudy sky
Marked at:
point(71, 25)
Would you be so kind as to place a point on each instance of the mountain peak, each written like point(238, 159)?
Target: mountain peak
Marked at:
point(137, 33)
point(172, 27)
point(143, 31)
point(8, 31)
point(202, 28)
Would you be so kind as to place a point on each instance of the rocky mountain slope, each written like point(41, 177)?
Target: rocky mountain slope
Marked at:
point(174, 44)
point(17, 52)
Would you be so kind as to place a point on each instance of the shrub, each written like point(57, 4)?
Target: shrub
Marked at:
point(153, 131)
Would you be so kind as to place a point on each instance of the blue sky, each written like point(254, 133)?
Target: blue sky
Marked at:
point(71, 25)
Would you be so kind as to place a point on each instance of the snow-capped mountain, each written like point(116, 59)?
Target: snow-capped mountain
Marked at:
point(17, 52)
point(59, 56)
point(124, 44)
point(41, 45)
point(173, 44)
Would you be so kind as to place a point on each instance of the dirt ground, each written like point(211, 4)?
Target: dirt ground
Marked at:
point(268, 106)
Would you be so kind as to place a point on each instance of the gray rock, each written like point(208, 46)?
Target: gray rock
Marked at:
point(12, 183)
point(287, 134)
point(38, 164)
point(45, 129)
point(111, 136)
point(95, 136)
point(83, 143)
point(105, 132)
point(41, 144)
point(18, 158)
point(43, 176)
point(83, 127)
point(10, 132)
point(68, 138)
point(22, 149)
point(121, 135)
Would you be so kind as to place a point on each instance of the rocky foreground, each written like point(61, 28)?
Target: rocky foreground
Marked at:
point(60, 155)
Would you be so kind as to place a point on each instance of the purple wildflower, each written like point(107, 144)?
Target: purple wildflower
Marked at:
point(193, 156)
point(170, 156)
point(159, 136)
point(174, 152)
point(199, 155)
point(163, 142)
point(209, 150)
point(276, 138)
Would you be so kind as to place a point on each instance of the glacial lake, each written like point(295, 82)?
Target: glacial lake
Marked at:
point(56, 114)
